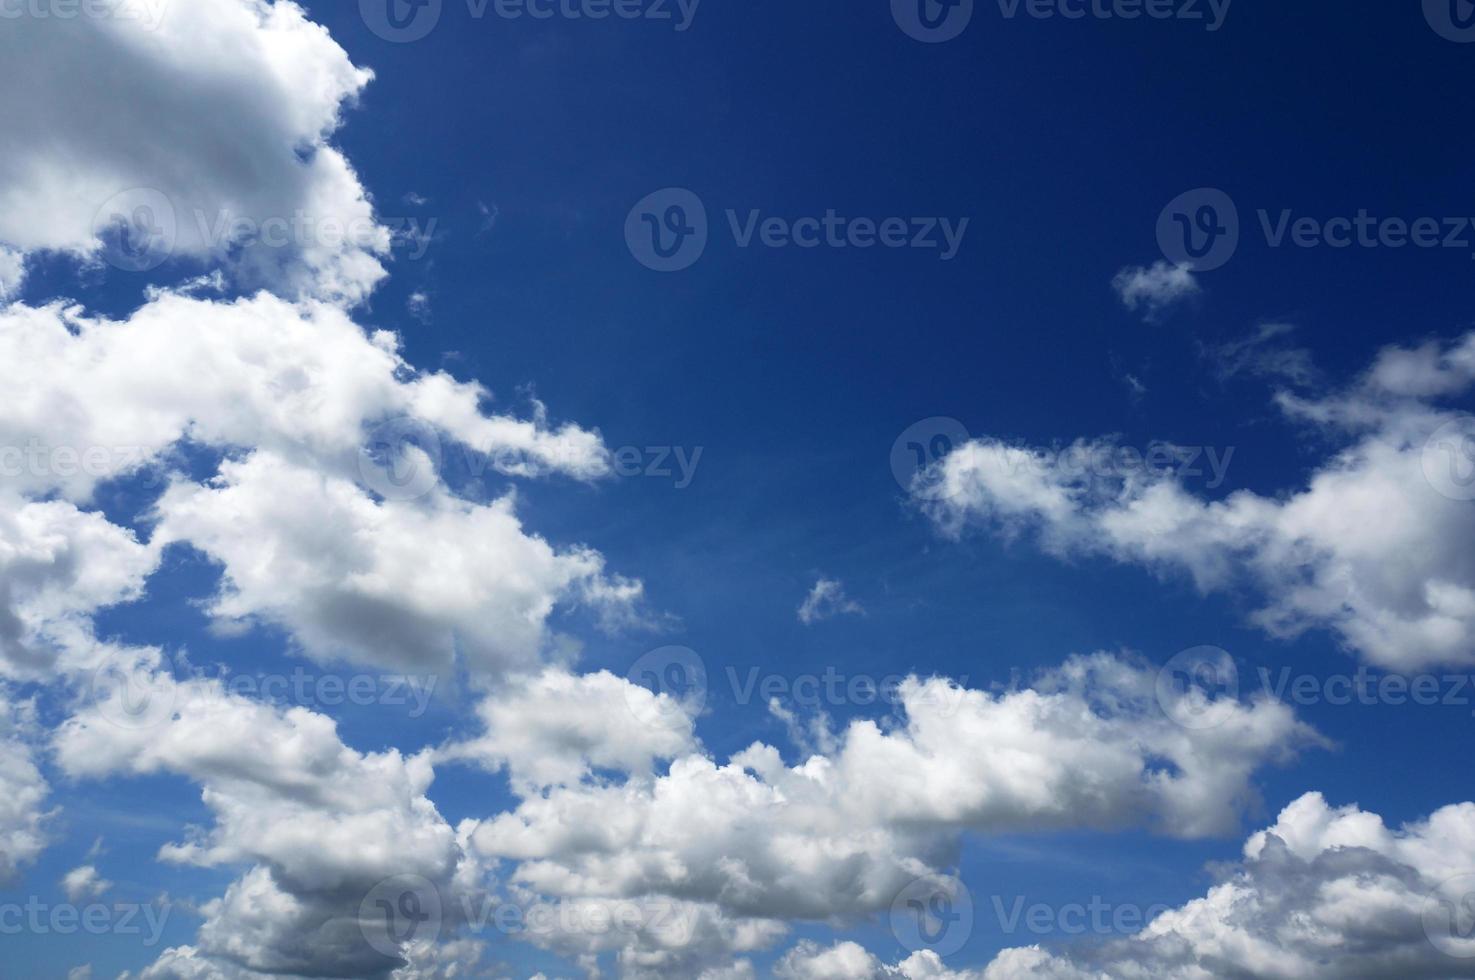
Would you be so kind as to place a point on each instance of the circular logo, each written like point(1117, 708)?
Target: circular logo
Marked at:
point(1199, 688)
point(932, 21)
point(1199, 229)
point(667, 231)
point(676, 672)
point(1449, 459)
point(138, 229)
point(918, 449)
point(933, 912)
point(400, 910)
point(401, 459)
point(129, 696)
point(400, 21)
point(1449, 917)
point(1453, 20)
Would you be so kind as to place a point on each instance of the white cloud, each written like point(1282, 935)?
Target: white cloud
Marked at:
point(12, 273)
point(210, 112)
point(838, 836)
point(827, 599)
point(1373, 546)
point(1324, 892)
point(59, 565)
point(556, 728)
point(23, 790)
point(405, 584)
point(1155, 289)
point(84, 883)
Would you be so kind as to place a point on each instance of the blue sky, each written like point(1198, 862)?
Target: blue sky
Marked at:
point(761, 393)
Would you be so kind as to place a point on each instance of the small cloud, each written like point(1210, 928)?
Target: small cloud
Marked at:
point(1265, 354)
point(83, 883)
point(826, 600)
point(1155, 289)
point(83, 972)
point(416, 200)
point(419, 306)
point(489, 216)
point(12, 273)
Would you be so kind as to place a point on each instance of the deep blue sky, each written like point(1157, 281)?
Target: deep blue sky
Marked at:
point(795, 370)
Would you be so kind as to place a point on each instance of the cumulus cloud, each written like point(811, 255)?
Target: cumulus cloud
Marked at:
point(837, 837)
point(1372, 546)
point(23, 790)
point(84, 883)
point(1326, 891)
point(1155, 289)
point(205, 125)
point(827, 599)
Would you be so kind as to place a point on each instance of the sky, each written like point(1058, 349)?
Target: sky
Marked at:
point(674, 488)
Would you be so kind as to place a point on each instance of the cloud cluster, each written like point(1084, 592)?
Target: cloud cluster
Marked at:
point(1373, 546)
point(190, 122)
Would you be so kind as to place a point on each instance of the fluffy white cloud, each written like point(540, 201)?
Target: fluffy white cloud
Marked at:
point(84, 883)
point(1324, 892)
point(825, 600)
point(23, 790)
point(319, 824)
point(556, 728)
point(59, 565)
point(100, 398)
point(213, 116)
point(1373, 547)
point(405, 584)
point(839, 836)
point(1156, 288)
